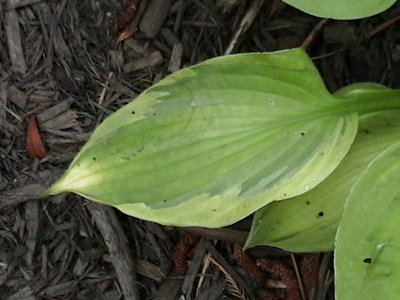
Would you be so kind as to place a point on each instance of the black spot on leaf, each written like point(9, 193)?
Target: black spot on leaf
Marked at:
point(320, 214)
point(367, 260)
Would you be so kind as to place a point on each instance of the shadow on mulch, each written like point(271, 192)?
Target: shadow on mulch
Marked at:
point(61, 61)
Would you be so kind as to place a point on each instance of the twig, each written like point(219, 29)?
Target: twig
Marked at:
point(11, 112)
point(206, 264)
point(371, 34)
point(300, 282)
point(324, 276)
point(247, 20)
point(104, 91)
point(225, 234)
point(312, 35)
point(383, 26)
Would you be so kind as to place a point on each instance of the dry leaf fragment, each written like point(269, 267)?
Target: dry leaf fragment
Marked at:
point(34, 144)
point(125, 22)
point(128, 32)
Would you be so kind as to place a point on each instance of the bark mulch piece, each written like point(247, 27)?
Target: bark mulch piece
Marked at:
point(70, 64)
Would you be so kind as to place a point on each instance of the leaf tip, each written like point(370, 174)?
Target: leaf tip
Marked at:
point(51, 191)
point(56, 188)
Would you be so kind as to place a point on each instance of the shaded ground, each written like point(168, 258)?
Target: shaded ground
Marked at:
point(60, 61)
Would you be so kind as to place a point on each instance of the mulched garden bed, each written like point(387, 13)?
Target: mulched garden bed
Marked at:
point(71, 63)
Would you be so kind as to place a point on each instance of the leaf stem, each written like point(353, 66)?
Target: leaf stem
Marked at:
point(371, 101)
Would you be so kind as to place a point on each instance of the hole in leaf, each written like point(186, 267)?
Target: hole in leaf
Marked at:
point(367, 260)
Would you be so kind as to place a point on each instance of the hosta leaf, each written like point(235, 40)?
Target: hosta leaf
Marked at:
point(212, 143)
point(342, 9)
point(308, 223)
point(367, 261)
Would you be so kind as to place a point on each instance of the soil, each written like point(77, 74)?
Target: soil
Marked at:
point(71, 63)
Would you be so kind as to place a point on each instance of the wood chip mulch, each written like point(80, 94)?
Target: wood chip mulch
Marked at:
point(66, 65)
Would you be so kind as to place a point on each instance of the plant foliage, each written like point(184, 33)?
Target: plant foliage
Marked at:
point(213, 143)
point(342, 9)
point(367, 259)
point(308, 223)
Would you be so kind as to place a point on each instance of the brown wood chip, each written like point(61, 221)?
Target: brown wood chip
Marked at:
point(154, 17)
point(169, 289)
point(17, 96)
point(20, 3)
point(151, 60)
point(150, 270)
point(176, 58)
point(65, 120)
point(117, 245)
point(13, 33)
point(3, 102)
point(54, 110)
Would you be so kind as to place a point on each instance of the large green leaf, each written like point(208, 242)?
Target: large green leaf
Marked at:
point(367, 261)
point(342, 9)
point(308, 223)
point(213, 143)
